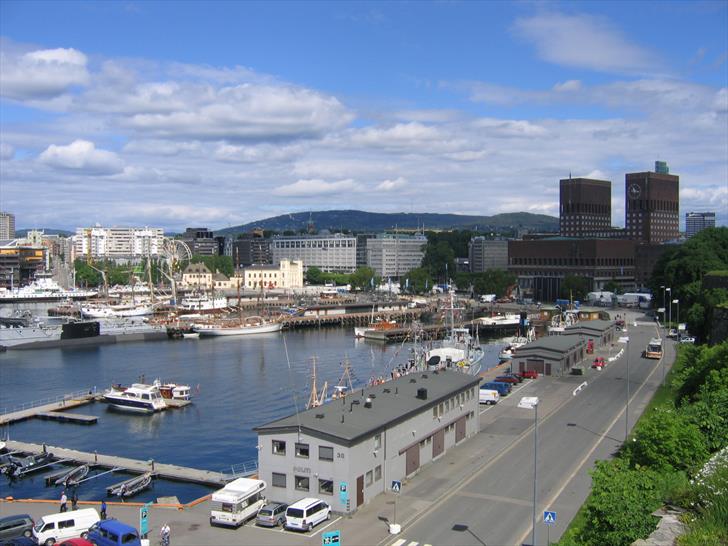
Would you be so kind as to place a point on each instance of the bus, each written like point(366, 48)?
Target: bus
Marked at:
point(654, 348)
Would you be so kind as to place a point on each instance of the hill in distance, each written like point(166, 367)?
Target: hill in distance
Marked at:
point(19, 233)
point(361, 221)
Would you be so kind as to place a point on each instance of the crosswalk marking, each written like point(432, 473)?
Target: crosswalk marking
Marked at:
point(401, 541)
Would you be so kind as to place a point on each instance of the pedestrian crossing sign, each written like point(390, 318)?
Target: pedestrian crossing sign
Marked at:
point(396, 486)
point(549, 518)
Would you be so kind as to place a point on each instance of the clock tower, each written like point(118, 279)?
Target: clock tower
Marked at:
point(652, 211)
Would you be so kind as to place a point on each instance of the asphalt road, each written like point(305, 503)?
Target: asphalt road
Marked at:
point(495, 505)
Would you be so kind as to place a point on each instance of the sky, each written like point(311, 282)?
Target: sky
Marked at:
point(177, 114)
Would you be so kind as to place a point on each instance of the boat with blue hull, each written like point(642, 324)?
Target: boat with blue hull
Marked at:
point(139, 398)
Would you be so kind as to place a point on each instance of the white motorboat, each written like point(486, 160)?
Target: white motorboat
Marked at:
point(137, 398)
point(509, 319)
point(173, 391)
point(514, 343)
point(117, 311)
point(249, 325)
point(43, 288)
point(378, 325)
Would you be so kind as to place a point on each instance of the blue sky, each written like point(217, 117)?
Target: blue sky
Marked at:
point(173, 114)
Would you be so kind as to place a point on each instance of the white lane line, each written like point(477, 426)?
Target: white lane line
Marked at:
point(399, 542)
point(325, 526)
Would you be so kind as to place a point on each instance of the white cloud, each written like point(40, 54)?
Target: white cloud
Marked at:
point(391, 185)
point(6, 151)
point(569, 85)
point(41, 74)
point(316, 187)
point(584, 41)
point(81, 156)
point(399, 135)
point(257, 153)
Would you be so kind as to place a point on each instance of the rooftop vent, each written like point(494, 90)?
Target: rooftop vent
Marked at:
point(386, 391)
point(372, 395)
point(413, 380)
point(353, 403)
point(319, 416)
point(368, 403)
point(424, 376)
point(422, 393)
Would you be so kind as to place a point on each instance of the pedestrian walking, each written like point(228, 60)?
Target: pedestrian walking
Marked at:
point(74, 499)
point(103, 509)
point(64, 500)
point(165, 532)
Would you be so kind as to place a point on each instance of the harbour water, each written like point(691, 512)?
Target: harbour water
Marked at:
point(238, 383)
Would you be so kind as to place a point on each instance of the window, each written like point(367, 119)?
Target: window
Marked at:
point(301, 483)
point(434, 412)
point(378, 473)
point(369, 478)
point(278, 480)
point(279, 447)
point(326, 453)
point(302, 450)
point(326, 487)
point(65, 524)
point(127, 538)
point(378, 441)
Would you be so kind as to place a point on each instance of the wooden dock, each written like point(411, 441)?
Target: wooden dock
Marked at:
point(134, 466)
point(66, 417)
point(63, 403)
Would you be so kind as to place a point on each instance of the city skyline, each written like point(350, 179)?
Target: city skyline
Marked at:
point(220, 114)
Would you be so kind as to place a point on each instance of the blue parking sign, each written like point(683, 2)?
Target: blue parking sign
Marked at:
point(332, 538)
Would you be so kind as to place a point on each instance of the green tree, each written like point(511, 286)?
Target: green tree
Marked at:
point(618, 511)
point(86, 275)
point(613, 286)
point(439, 260)
point(314, 276)
point(665, 440)
point(362, 278)
point(420, 280)
point(575, 287)
point(223, 264)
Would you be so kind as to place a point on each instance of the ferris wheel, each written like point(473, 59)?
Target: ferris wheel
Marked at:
point(176, 254)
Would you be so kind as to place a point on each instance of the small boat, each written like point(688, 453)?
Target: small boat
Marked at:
point(378, 325)
point(249, 325)
point(73, 476)
point(25, 465)
point(138, 398)
point(131, 487)
point(514, 343)
point(202, 302)
point(190, 335)
point(116, 311)
point(173, 391)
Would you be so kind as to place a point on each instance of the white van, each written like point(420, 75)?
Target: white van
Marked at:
point(488, 396)
point(58, 527)
point(237, 502)
point(306, 514)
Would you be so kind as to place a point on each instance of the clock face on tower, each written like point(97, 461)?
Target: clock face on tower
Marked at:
point(634, 191)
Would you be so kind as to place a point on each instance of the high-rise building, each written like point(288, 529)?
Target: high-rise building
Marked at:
point(585, 207)
point(201, 241)
point(7, 225)
point(652, 212)
point(117, 243)
point(251, 250)
point(698, 221)
point(484, 254)
point(331, 253)
point(392, 255)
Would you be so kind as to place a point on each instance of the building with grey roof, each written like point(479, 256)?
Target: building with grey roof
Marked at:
point(350, 450)
point(550, 355)
point(602, 332)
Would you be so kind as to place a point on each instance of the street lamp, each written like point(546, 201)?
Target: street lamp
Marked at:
point(625, 339)
point(664, 316)
point(531, 402)
point(678, 317)
point(670, 310)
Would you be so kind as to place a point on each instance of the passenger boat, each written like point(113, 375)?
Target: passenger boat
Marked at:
point(117, 311)
point(138, 398)
point(202, 303)
point(509, 319)
point(379, 325)
point(43, 288)
point(131, 487)
point(173, 391)
point(247, 326)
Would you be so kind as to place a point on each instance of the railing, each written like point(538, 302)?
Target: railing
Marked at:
point(241, 470)
point(52, 400)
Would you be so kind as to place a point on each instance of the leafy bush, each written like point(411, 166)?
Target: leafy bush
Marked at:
point(710, 410)
point(711, 491)
point(619, 509)
point(665, 440)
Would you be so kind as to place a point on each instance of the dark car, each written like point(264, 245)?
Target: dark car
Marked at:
point(507, 379)
point(272, 514)
point(111, 532)
point(515, 376)
point(20, 525)
point(18, 541)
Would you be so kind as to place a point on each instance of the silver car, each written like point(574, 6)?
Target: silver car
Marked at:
point(272, 515)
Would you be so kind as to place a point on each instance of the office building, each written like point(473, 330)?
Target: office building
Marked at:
point(331, 253)
point(485, 254)
point(251, 250)
point(585, 207)
point(7, 225)
point(652, 212)
point(19, 262)
point(285, 275)
point(351, 450)
point(392, 255)
point(201, 241)
point(698, 221)
point(117, 243)
point(361, 248)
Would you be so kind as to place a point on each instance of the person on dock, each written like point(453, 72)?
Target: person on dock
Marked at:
point(64, 500)
point(103, 509)
point(164, 533)
point(74, 499)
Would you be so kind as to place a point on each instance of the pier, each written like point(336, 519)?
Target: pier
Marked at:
point(58, 404)
point(134, 466)
point(65, 417)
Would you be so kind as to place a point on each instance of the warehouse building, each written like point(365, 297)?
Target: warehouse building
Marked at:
point(550, 355)
point(350, 450)
point(603, 332)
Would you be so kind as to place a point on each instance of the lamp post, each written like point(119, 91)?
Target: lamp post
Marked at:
point(664, 315)
point(625, 339)
point(531, 402)
point(676, 301)
point(670, 309)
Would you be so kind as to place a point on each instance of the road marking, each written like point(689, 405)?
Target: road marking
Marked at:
point(495, 498)
point(584, 459)
point(325, 526)
point(505, 398)
point(399, 542)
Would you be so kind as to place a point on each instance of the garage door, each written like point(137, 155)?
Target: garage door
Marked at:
point(438, 443)
point(460, 429)
point(412, 459)
point(533, 364)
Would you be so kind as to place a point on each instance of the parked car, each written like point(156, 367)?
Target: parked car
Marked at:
point(19, 541)
point(305, 514)
point(515, 376)
point(672, 333)
point(489, 396)
point(502, 388)
point(272, 514)
point(507, 379)
point(76, 542)
point(60, 526)
point(599, 362)
point(20, 525)
point(112, 532)
point(529, 374)
point(687, 339)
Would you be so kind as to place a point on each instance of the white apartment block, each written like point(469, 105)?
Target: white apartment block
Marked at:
point(330, 253)
point(109, 243)
point(394, 255)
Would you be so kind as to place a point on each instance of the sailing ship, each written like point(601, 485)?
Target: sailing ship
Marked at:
point(249, 325)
